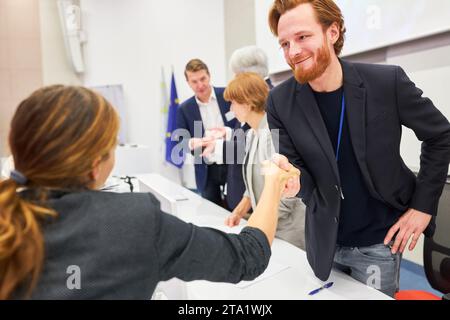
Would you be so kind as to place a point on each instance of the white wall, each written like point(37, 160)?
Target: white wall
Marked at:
point(129, 42)
point(371, 24)
point(265, 39)
point(56, 68)
point(239, 27)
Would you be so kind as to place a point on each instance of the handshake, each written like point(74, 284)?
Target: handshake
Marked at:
point(282, 180)
point(208, 142)
point(280, 171)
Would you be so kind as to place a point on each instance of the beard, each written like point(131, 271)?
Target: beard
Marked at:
point(323, 60)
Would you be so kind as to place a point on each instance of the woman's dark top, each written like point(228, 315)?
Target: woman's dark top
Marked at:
point(122, 245)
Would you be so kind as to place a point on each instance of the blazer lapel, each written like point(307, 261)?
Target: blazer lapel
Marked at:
point(355, 97)
point(197, 115)
point(250, 160)
point(355, 105)
point(222, 106)
point(248, 138)
point(307, 103)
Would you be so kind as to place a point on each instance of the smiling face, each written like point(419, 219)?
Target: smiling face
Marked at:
point(199, 82)
point(307, 47)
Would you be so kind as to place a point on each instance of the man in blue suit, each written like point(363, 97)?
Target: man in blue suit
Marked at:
point(201, 115)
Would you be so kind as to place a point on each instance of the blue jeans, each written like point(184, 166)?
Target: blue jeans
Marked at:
point(374, 266)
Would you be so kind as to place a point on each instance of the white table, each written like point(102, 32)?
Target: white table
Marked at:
point(292, 283)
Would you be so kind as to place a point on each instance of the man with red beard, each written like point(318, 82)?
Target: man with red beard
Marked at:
point(340, 124)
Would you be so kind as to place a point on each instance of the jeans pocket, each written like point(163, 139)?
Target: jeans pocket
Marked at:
point(378, 252)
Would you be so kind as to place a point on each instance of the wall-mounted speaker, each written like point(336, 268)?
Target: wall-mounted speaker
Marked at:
point(74, 37)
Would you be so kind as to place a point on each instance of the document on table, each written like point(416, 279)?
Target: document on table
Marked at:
point(272, 269)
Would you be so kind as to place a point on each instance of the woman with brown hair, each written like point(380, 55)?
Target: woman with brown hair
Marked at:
point(52, 219)
point(248, 93)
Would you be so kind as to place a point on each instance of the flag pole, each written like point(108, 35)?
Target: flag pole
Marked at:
point(163, 112)
point(180, 170)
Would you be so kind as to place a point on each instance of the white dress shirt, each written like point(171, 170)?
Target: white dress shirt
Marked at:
point(211, 118)
point(210, 112)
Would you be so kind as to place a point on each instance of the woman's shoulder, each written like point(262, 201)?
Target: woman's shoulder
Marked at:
point(109, 205)
point(128, 197)
point(112, 198)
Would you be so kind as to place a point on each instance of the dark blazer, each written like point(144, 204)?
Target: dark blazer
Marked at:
point(187, 114)
point(379, 100)
point(123, 245)
point(234, 153)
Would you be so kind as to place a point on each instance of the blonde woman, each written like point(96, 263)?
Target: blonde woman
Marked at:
point(247, 93)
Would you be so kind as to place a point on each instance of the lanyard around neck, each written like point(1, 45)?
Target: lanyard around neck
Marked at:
point(341, 126)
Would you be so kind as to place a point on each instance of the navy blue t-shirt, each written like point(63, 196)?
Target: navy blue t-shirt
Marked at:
point(364, 220)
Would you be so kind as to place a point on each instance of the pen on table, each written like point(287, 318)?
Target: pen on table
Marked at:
point(325, 286)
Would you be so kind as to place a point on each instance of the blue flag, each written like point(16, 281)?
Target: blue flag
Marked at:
point(172, 125)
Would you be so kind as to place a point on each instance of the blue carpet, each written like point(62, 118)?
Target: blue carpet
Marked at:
point(412, 277)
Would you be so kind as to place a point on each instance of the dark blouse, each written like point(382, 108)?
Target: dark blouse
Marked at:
point(122, 245)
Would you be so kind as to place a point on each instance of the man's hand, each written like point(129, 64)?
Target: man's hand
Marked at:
point(412, 223)
point(293, 186)
point(210, 146)
point(195, 143)
point(216, 133)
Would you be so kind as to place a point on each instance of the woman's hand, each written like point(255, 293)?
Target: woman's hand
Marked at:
point(239, 212)
point(265, 215)
point(233, 220)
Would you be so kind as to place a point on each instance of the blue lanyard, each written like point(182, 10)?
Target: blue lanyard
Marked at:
point(341, 126)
